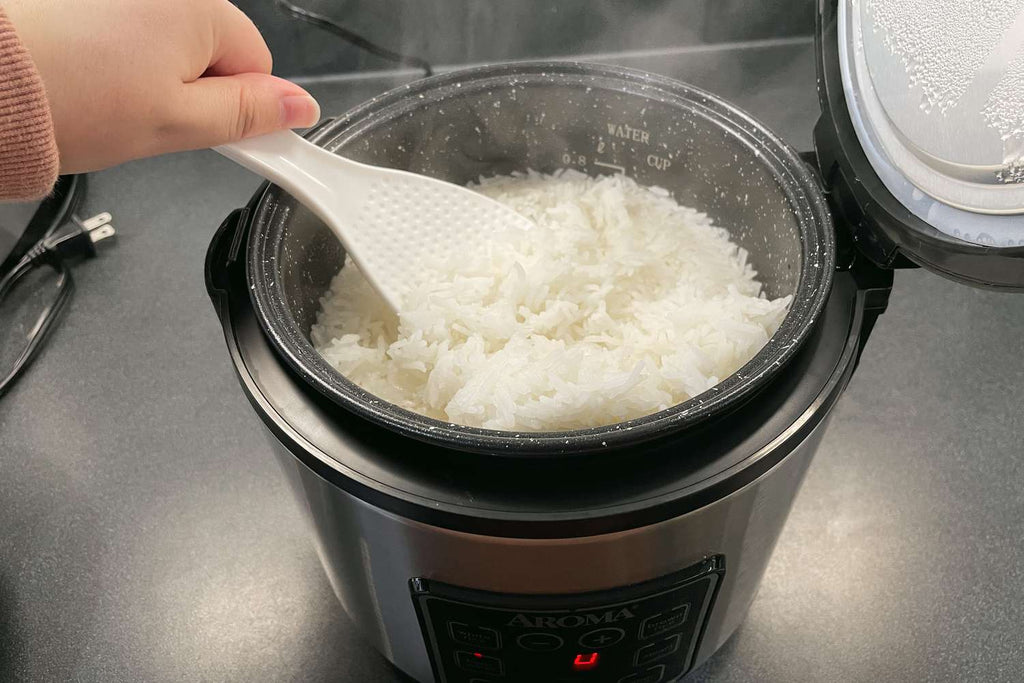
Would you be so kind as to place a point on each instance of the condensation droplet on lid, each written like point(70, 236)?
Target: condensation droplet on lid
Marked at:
point(943, 44)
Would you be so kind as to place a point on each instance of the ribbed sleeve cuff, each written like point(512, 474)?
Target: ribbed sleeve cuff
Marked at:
point(29, 162)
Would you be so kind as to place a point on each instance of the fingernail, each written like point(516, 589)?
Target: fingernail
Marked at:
point(299, 111)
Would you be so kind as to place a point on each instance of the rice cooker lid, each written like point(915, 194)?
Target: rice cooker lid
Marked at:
point(921, 139)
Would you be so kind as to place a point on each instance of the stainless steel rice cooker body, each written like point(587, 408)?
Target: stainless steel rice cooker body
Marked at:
point(660, 545)
point(631, 552)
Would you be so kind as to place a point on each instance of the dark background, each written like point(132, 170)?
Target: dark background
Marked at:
point(469, 31)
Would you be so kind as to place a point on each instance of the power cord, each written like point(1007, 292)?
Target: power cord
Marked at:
point(55, 250)
point(47, 319)
point(327, 24)
point(52, 213)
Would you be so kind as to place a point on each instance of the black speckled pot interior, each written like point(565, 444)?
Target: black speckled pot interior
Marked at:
point(546, 116)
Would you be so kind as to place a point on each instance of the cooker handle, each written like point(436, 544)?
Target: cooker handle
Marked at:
point(222, 258)
point(874, 285)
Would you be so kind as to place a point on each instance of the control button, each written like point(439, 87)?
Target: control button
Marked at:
point(476, 636)
point(655, 651)
point(540, 642)
point(666, 621)
point(602, 637)
point(652, 675)
point(477, 663)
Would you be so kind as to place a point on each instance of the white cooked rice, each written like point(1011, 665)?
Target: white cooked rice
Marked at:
point(620, 303)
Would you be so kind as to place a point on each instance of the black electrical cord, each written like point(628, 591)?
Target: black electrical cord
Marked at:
point(45, 245)
point(327, 24)
point(53, 212)
point(47, 319)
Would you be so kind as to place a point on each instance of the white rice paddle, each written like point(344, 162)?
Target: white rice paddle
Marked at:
point(391, 223)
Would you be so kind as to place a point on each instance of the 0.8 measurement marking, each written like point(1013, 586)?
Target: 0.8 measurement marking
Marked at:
point(574, 159)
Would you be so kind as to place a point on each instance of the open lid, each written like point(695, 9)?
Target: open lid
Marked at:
point(921, 139)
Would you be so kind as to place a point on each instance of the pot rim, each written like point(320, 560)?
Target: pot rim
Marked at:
point(794, 176)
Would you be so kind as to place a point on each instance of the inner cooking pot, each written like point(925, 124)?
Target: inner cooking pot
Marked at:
point(547, 116)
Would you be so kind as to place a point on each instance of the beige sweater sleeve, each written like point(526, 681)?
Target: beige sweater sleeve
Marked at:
point(28, 150)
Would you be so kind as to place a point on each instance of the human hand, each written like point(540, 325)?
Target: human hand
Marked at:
point(134, 78)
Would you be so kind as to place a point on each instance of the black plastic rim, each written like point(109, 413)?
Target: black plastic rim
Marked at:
point(804, 194)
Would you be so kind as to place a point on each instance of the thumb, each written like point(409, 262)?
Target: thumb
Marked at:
point(217, 110)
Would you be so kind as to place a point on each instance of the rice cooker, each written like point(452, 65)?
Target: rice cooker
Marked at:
point(627, 553)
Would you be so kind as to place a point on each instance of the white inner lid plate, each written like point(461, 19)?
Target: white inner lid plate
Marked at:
point(935, 90)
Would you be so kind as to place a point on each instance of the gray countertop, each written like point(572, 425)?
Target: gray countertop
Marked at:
point(146, 533)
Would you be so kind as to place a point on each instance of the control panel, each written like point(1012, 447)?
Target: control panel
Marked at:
point(644, 633)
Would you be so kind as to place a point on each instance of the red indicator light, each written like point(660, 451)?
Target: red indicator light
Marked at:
point(478, 655)
point(585, 662)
